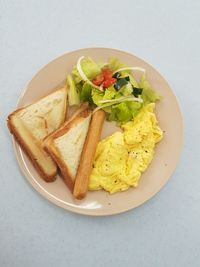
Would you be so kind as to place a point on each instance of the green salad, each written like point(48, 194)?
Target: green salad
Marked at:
point(110, 86)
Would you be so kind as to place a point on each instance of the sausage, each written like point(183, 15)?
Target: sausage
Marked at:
point(88, 153)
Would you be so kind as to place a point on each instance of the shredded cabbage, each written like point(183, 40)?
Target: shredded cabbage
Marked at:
point(108, 103)
point(120, 99)
point(82, 74)
point(131, 68)
point(149, 95)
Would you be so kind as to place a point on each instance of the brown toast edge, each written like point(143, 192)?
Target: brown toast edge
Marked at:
point(13, 130)
point(15, 133)
point(49, 147)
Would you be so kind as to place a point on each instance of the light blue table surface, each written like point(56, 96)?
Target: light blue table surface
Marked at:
point(164, 232)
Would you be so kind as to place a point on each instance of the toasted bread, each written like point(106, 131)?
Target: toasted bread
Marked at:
point(31, 124)
point(65, 145)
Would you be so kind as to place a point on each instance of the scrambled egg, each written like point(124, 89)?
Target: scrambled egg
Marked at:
point(122, 157)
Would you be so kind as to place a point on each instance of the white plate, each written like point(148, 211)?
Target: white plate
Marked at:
point(167, 151)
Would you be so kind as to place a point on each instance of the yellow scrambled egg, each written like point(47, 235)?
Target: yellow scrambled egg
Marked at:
point(122, 157)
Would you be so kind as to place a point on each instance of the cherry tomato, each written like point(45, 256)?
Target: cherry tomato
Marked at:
point(109, 82)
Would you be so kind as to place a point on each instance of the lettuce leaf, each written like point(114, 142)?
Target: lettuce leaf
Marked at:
point(114, 64)
point(85, 94)
point(126, 90)
point(124, 111)
point(134, 107)
point(89, 67)
point(133, 81)
point(97, 95)
point(102, 65)
point(148, 94)
point(121, 112)
point(110, 93)
point(126, 73)
point(73, 91)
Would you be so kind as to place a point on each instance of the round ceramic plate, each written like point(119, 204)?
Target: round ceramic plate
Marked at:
point(167, 151)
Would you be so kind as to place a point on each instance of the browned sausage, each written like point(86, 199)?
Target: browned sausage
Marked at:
point(88, 153)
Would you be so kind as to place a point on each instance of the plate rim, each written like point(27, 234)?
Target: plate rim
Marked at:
point(45, 194)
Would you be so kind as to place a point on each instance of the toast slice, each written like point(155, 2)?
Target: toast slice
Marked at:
point(66, 144)
point(31, 124)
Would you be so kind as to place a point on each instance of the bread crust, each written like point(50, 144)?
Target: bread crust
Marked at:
point(82, 113)
point(13, 130)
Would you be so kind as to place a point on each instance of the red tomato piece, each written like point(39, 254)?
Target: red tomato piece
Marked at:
point(107, 83)
point(99, 79)
point(107, 74)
